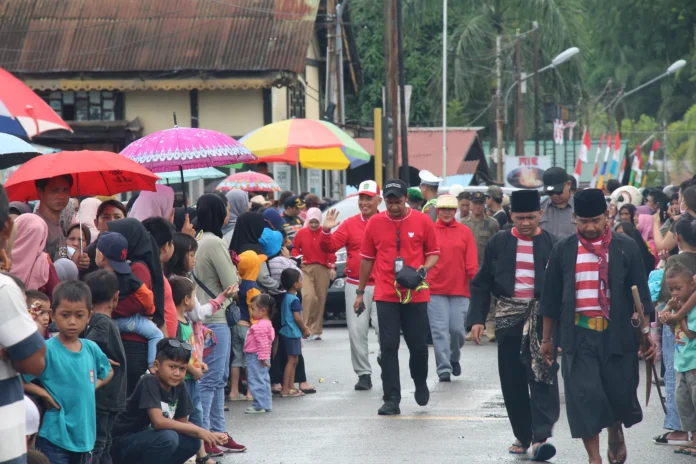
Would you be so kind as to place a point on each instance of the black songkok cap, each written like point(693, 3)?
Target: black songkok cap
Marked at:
point(524, 201)
point(589, 203)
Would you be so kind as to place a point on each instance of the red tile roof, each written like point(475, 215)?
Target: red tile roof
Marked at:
point(425, 150)
point(52, 36)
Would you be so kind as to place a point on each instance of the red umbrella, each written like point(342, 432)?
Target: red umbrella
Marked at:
point(24, 113)
point(93, 173)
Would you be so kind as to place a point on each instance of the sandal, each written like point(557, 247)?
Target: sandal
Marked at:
point(293, 394)
point(665, 440)
point(617, 446)
point(239, 397)
point(204, 459)
point(518, 448)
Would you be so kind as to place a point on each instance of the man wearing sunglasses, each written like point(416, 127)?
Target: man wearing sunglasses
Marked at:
point(557, 208)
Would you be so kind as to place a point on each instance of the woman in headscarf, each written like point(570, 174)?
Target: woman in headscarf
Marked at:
point(67, 216)
point(66, 270)
point(159, 203)
point(648, 257)
point(87, 215)
point(645, 227)
point(29, 262)
point(627, 213)
point(213, 273)
point(238, 204)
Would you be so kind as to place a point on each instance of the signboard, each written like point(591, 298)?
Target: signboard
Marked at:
point(315, 181)
point(525, 171)
point(281, 174)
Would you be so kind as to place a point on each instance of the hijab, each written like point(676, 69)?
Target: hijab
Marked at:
point(271, 241)
point(153, 204)
point(645, 209)
point(66, 270)
point(211, 214)
point(631, 211)
point(87, 215)
point(645, 253)
point(29, 262)
point(312, 213)
point(645, 225)
point(67, 216)
point(239, 204)
point(180, 216)
point(247, 233)
point(142, 248)
point(273, 219)
point(21, 207)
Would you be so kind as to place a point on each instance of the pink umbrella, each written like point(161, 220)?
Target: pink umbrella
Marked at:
point(249, 181)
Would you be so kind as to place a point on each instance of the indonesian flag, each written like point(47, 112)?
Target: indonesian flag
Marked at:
point(614, 167)
point(651, 161)
point(636, 168)
point(595, 170)
point(600, 183)
point(582, 155)
point(622, 173)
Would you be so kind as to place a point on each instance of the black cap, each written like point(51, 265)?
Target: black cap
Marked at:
point(589, 203)
point(573, 182)
point(524, 201)
point(554, 180)
point(395, 188)
point(293, 201)
point(478, 197)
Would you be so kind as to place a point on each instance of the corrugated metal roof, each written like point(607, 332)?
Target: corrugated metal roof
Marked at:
point(51, 36)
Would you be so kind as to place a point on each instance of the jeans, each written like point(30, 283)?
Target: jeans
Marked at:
point(672, 420)
point(144, 327)
point(155, 447)
point(57, 455)
point(259, 382)
point(194, 391)
point(214, 381)
point(101, 454)
point(359, 328)
point(239, 334)
point(447, 316)
point(412, 318)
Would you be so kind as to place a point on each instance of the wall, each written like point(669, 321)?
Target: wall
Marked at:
point(155, 108)
point(232, 112)
point(279, 101)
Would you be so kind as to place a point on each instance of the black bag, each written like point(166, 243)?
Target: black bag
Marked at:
point(409, 278)
point(232, 313)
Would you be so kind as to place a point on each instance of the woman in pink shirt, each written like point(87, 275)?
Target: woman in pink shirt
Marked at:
point(258, 347)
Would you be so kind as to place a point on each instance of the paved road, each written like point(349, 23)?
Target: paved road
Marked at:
point(465, 420)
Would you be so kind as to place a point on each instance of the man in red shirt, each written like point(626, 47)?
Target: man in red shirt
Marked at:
point(350, 235)
point(395, 240)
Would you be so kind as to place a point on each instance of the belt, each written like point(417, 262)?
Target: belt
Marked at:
point(600, 324)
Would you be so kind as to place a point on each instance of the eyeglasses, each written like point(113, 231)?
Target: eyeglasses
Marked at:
point(177, 344)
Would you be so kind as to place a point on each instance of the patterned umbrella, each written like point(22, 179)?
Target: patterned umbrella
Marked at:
point(249, 182)
point(189, 175)
point(14, 151)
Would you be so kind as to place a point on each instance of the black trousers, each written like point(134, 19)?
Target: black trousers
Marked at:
point(412, 318)
point(101, 454)
point(136, 363)
point(533, 407)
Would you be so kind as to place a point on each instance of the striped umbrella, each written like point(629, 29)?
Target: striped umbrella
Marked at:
point(248, 181)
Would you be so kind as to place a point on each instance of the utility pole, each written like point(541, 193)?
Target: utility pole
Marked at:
point(536, 88)
point(444, 91)
point(664, 153)
point(389, 95)
point(340, 100)
point(519, 110)
point(499, 107)
point(394, 83)
point(402, 94)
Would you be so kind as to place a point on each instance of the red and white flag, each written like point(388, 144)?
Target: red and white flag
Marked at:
point(582, 155)
point(595, 170)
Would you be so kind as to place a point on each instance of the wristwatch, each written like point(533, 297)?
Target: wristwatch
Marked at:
point(359, 292)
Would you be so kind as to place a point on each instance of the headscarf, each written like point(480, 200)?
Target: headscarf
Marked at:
point(66, 270)
point(645, 225)
point(273, 219)
point(312, 213)
point(271, 241)
point(87, 215)
point(211, 214)
point(142, 248)
point(631, 211)
point(239, 204)
point(20, 206)
point(10, 241)
point(67, 216)
point(645, 209)
point(153, 204)
point(29, 262)
point(180, 216)
point(646, 254)
point(247, 233)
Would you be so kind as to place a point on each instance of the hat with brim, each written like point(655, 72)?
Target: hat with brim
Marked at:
point(114, 247)
point(554, 180)
point(589, 203)
point(524, 201)
point(447, 202)
point(478, 197)
point(395, 188)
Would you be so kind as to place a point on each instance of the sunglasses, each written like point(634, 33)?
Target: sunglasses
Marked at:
point(177, 344)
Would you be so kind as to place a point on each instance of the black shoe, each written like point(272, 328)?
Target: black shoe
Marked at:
point(389, 408)
point(364, 382)
point(422, 394)
point(456, 368)
point(443, 378)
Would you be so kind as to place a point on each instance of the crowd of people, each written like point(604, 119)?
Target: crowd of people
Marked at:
point(169, 311)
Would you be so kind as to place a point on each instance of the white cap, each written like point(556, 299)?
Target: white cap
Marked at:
point(259, 200)
point(428, 178)
point(369, 187)
point(32, 416)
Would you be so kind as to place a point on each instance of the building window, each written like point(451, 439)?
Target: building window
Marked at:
point(297, 101)
point(82, 105)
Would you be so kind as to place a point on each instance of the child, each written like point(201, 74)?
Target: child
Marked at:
point(112, 251)
point(75, 368)
point(292, 328)
point(103, 331)
point(39, 306)
point(248, 266)
point(154, 428)
point(257, 348)
point(680, 282)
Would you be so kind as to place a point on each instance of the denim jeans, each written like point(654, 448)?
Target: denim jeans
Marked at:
point(447, 316)
point(194, 391)
point(259, 382)
point(214, 381)
point(144, 327)
point(155, 447)
point(102, 446)
point(672, 420)
point(58, 455)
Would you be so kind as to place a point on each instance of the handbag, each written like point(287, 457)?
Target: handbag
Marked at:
point(232, 313)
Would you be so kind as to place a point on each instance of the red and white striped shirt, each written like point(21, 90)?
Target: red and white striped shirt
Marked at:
point(587, 282)
point(524, 272)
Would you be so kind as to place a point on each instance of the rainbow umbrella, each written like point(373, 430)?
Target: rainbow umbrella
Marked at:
point(248, 181)
point(314, 144)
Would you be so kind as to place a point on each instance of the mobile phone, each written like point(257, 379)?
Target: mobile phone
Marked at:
point(361, 309)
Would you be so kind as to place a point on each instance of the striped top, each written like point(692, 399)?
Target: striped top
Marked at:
point(524, 271)
point(587, 282)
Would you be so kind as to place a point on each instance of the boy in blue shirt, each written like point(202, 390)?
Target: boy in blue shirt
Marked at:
point(75, 368)
point(292, 328)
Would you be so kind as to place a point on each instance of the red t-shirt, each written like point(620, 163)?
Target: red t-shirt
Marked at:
point(458, 262)
point(171, 316)
point(418, 240)
point(350, 235)
point(308, 244)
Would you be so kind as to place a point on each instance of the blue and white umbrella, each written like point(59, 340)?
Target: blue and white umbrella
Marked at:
point(15, 151)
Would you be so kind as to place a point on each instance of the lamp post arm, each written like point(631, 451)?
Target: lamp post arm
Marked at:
point(507, 94)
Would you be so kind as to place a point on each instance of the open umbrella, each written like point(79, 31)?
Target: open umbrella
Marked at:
point(314, 144)
point(14, 151)
point(93, 173)
point(189, 175)
point(24, 113)
point(249, 182)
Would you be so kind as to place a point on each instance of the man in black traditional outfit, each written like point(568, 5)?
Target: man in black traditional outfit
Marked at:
point(587, 289)
point(513, 271)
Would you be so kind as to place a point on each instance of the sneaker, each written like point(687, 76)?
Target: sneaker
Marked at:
point(389, 408)
point(213, 451)
point(232, 446)
point(253, 410)
point(456, 368)
point(314, 337)
point(444, 377)
point(422, 394)
point(364, 382)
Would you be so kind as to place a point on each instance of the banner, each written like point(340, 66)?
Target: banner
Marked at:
point(526, 171)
